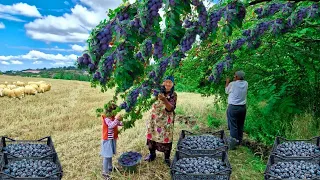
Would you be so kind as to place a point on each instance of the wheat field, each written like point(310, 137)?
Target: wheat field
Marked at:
point(67, 114)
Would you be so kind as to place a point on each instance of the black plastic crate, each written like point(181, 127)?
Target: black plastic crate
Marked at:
point(220, 134)
point(273, 159)
point(54, 158)
point(5, 141)
point(222, 175)
point(280, 140)
point(2, 162)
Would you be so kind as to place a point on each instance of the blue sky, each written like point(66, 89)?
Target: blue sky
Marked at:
point(43, 33)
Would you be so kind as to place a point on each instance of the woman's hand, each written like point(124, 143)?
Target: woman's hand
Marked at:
point(161, 97)
point(118, 116)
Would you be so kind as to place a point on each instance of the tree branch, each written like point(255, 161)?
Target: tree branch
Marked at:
point(261, 1)
point(308, 39)
point(302, 51)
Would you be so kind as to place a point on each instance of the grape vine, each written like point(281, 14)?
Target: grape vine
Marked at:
point(120, 50)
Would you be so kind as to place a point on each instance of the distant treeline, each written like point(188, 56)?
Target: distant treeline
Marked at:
point(67, 73)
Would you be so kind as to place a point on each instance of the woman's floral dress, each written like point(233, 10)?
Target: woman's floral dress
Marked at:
point(161, 124)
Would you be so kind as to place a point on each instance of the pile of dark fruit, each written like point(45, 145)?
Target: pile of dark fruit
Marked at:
point(199, 165)
point(295, 170)
point(28, 150)
point(201, 142)
point(32, 168)
point(297, 148)
point(130, 158)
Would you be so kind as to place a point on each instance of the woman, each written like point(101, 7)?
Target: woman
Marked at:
point(160, 124)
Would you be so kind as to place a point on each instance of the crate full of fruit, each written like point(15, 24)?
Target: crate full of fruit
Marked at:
point(31, 168)
point(208, 143)
point(279, 168)
point(296, 149)
point(199, 167)
point(27, 148)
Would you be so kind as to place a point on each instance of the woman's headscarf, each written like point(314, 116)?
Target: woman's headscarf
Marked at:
point(171, 78)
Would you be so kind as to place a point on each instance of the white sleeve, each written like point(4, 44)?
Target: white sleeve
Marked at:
point(228, 88)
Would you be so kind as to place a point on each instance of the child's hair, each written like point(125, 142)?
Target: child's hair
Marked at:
point(111, 108)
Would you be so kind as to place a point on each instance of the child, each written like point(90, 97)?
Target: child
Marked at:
point(110, 125)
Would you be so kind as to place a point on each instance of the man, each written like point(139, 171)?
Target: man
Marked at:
point(236, 113)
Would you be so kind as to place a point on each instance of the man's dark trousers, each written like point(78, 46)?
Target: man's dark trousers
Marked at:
point(236, 115)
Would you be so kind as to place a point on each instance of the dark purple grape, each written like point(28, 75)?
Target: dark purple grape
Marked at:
point(97, 76)
point(227, 46)
point(91, 67)
point(246, 32)
point(85, 55)
point(123, 105)
point(211, 78)
point(80, 60)
point(86, 61)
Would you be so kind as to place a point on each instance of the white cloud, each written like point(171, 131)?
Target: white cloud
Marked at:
point(20, 9)
point(38, 55)
point(37, 62)
point(71, 27)
point(35, 55)
point(10, 17)
point(2, 26)
point(6, 57)
point(56, 48)
point(60, 63)
point(16, 62)
point(66, 2)
point(78, 48)
point(5, 62)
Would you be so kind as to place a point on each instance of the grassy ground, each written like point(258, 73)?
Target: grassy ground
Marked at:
point(67, 113)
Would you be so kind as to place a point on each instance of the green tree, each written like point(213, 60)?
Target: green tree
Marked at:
point(227, 31)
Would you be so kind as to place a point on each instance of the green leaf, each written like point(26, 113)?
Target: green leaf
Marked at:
point(228, 30)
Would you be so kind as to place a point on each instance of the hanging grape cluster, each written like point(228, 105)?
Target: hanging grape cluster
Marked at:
point(225, 63)
point(203, 14)
point(158, 48)
point(176, 58)
point(147, 49)
point(203, 21)
point(273, 8)
point(131, 99)
point(187, 23)
point(140, 57)
point(233, 12)
point(187, 42)
point(136, 25)
point(86, 61)
point(106, 69)
point(214, 18)
point(153, 9)
point(119, 26)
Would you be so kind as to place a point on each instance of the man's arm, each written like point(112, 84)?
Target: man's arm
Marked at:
point(228, 86)
point(227, 82)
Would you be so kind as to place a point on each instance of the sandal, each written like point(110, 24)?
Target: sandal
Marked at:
point(113, 169)
point(106, 176)
point(150, 158)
